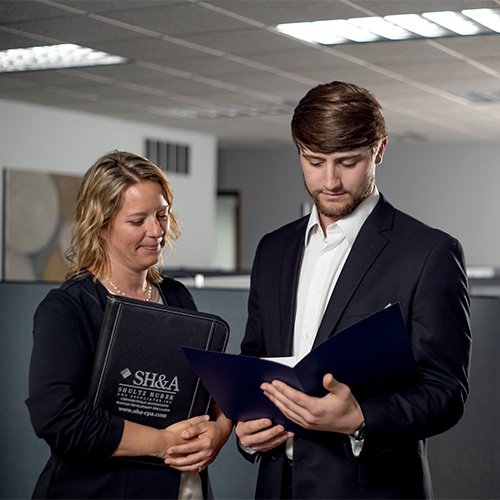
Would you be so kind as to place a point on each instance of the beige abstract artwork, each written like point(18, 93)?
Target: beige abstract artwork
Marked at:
point(38, 212)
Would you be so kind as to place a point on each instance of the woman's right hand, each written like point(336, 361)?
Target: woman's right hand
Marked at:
point(204, 441)
point(140, 440)
point(180, 432)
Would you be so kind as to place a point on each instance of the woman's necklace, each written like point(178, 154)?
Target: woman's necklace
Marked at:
point(119, 292)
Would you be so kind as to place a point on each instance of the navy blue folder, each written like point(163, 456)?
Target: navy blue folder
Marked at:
point(371, 356)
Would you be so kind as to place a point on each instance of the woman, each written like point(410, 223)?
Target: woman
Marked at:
point(123, 222)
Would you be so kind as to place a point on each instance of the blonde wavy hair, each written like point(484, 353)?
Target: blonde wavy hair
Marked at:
point(99, 198)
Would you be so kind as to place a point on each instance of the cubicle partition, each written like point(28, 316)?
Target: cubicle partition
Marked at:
point(464, 461)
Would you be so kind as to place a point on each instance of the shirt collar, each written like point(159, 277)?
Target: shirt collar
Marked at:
point(349, 225)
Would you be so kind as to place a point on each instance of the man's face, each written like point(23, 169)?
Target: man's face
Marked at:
point(339, 182)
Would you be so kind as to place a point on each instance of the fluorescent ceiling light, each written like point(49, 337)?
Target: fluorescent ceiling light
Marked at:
point(310, 32)
point(487, 17)
point(304, 31)
point(417, 24)
point(257, 109)
point(481, 96)
point(395, 27)
point(381, 27)
point(341, 28)
point(453, 21)
point(66, 55)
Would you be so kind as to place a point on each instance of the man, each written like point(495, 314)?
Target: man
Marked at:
point(354, 255)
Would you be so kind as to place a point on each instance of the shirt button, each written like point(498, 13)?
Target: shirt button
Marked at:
point(307, 335)
point(314, 294)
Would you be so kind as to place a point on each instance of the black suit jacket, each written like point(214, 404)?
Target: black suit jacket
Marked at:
point(395, 258)
point(83, 437)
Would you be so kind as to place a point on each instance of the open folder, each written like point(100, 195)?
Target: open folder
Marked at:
point(370, 356)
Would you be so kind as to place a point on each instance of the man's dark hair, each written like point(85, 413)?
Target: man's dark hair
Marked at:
point(338, 116)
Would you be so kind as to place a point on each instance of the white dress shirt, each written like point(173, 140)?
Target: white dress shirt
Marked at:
point(323, 258)
point(322, 261)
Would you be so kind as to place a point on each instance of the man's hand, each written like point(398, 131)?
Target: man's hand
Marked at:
point(338, 411)
point(261, 435)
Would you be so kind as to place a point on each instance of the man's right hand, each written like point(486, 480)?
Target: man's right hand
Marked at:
point(261, 435)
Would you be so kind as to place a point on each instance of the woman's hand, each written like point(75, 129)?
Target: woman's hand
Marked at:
point(140, 440)
point(201, 442)
point(184, 429)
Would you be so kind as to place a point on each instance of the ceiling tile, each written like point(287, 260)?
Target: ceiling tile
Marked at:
point(14, 12)
point(226, 53)
point(385, 7)
point(245, 42)
point(175, 18)
point(485, 46)
point(76, 29)
point(409, 51)
point(272, 12)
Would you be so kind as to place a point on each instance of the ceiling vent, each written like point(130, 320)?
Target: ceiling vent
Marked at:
point(170, 157)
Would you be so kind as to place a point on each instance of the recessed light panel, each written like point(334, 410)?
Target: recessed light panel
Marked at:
point(487, 17)
point(257, 109)
point(381, 27)
point(418, 25)
point(343, 29)
point(396, 27)
point(65, 55)
point(453, 21)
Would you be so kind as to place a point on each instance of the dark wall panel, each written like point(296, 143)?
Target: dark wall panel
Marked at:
point(464, 461)
point(24, 455)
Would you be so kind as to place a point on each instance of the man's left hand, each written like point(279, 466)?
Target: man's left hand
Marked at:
point(338, 411)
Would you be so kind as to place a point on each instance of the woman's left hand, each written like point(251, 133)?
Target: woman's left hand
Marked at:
point(203, 443)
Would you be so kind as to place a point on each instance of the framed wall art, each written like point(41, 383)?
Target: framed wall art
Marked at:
point(38, 210)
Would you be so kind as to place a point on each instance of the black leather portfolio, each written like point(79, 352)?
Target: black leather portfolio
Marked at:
point(140, 372)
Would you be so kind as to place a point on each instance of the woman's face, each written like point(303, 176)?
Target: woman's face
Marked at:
point(136, 234)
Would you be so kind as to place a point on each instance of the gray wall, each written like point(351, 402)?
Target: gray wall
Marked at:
point(450, 186)
point(271, 188)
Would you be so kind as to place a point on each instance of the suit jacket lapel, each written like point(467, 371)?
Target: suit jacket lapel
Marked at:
point(289, 276)
point(368, 245)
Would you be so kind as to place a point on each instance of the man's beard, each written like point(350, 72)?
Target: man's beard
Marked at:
point(345, 209)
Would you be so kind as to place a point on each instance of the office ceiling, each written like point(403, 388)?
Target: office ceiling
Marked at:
point(207, 56)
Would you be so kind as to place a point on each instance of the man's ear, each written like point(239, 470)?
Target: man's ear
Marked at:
point(379, 156)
